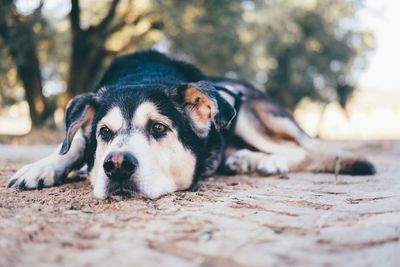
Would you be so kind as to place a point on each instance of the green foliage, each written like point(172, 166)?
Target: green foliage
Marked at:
point(294, 49)
point(204, 32)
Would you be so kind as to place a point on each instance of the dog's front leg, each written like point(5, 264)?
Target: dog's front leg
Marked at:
point(51, 170)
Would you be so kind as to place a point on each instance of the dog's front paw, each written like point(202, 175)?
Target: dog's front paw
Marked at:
point(241, 162)
point(272, 164)
point(37, 175)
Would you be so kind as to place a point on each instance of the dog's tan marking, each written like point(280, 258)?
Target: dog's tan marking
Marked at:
point(176, 171)
point(148, 111)
point(113, 119)
point(175, 160)
point(169, 154)
point(200, 103)
point(200, 108)
point(282, 128)
point(249, 132)
point(182, 169)
point(84, 124)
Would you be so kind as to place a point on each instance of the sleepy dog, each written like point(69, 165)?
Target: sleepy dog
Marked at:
point(156, 125)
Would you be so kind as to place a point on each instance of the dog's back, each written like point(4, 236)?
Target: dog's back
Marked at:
point(149, 67)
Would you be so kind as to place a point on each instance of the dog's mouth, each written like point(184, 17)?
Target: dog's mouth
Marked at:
point(122, 191)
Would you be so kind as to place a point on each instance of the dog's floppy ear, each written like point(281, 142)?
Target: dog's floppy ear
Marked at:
point(79, 114)
point(203, 104)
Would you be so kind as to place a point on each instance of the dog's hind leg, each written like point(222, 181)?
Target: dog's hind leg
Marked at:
point(247, 161)
point(265, 127)
point(52, 169)
point(280, 137)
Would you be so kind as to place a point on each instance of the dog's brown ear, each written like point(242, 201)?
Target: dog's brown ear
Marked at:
point(79, 114)
point(204, 106)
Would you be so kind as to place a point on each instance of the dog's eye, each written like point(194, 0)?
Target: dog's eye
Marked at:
point(158, 129)
point(105, 133)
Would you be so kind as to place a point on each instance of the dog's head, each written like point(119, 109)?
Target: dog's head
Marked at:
point(146, 140)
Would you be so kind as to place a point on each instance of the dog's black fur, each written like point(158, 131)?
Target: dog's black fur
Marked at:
point(150, 75)
point(267, 140)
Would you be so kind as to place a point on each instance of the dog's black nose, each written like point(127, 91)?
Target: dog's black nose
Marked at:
point(120, 166)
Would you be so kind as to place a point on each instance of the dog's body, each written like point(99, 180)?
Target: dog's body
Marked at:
point(156, 125)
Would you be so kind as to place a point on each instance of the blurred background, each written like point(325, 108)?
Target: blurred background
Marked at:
point(333, 63)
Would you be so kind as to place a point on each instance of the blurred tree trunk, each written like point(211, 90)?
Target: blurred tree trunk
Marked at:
point(89, 45)
point(88, 49)
point(85, 64)
point(18, 35)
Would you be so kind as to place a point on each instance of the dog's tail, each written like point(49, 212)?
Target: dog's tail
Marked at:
point(322, 156)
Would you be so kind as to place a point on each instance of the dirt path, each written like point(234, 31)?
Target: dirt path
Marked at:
point(303, 219)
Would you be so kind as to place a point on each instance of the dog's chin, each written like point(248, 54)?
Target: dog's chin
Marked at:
point(121, 190)
point(121, 193)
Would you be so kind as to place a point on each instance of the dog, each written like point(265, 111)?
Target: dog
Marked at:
point(156, 125)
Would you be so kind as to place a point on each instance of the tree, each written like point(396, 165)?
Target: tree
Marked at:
point(89, 50)
point(291, 48)
point(204, 32)
point(19, 38)
point(319, 60)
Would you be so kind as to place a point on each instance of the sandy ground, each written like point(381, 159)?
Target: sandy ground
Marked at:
point(303, 219)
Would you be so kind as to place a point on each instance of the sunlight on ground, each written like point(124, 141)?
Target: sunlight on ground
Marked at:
point(14, 120)
point(372, 114)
